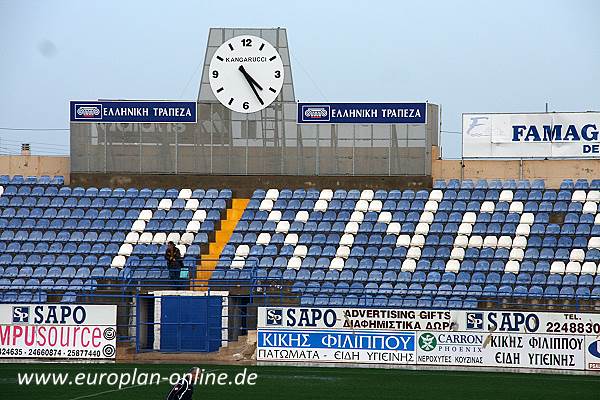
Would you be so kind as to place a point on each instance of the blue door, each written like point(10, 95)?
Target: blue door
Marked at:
point(190, 323)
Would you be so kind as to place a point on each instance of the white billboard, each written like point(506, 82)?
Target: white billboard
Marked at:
point(62, 331)
point(501, 339)
point(541, 135)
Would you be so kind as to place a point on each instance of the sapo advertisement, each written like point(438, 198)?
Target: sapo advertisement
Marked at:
point(58, 331)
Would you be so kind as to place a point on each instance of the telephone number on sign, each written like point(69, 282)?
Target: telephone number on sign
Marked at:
point(37, 352)
point(573, 327)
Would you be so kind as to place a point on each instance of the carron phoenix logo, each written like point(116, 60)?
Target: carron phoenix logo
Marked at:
point(427, 341)
point(88, 111)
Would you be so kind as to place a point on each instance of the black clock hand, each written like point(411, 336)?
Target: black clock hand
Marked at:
point(251, 83)
point(250, 79)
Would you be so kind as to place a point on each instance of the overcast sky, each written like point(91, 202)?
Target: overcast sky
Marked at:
point(467, 56)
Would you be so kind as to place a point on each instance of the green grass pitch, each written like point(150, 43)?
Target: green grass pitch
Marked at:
point(312, 383)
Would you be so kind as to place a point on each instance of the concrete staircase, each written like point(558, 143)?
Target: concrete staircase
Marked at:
point(208, 261)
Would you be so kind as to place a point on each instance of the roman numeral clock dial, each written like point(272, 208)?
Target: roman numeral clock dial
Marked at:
point(246, 74)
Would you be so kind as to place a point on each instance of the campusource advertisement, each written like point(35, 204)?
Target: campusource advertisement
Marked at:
point(58, 331)
point(503, 339)
point(541, 135)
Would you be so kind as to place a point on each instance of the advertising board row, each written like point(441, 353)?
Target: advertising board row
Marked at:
point(503, 339)
point(58, 331)
point(535, 135)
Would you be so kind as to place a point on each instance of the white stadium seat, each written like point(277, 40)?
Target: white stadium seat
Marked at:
point(403, 241)
point(138, 226)
point(409, 265)
point(238, 262)
point(557, 267)
point(516, 207)
point(343, 252)
point(184, 194)
point(394, 228)
point(573, 267)
point(590, 207)
point(187, 238)
point(291, 239)
point(461, 241)
point(436, 195)
point(385, 217)
point(199, 215)
point(452, 266)
point(302, 216)
point(321, 205)
point(351, 227)
point(519, 242)
point(132, 237)
point(326, 194)
point(457, 253)
point(300, 251)
point(417, 241)
point(465, 229)
point(506, 195)
point(266, 205)
point(263, 238)
point(588, 268)
point(504, 242)
point(159, 238)
point(594, 242)
point(347, 240)
point(422, 228)
point(294, 263)
point(192, 204)
point(577, 255)
point(593, 195)
point(282, 227)
point(414, 253)
point(274, 215)
point(337, 264)
point(367, 195)
point(118, 262)
point(527, 218)
point(165, 204)
point(523, 230)
point(431, 206)
point(145, 215)
point(357, 216)
point(516, 254)
point(145, 238)
point(375, 206)
point(125, 249)
point(182, 249)
point(272, 194)
point(476, 241)
point(469, 218)
point(512, 266)
point(242, 250)
point(173, 237)
point(490, 241)
point(579, 196)
point(487, 207)
point(426, 217)
point(362, 205)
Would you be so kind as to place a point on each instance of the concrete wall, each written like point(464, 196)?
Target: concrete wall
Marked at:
point(244, 185)
point(35, 166)
point(552, 171)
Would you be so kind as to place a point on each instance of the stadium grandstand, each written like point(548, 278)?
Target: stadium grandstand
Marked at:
point(306, 234)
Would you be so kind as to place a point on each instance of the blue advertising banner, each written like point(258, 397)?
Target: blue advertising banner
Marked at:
point(133, 111)
point(362, 113)
point(325, 339)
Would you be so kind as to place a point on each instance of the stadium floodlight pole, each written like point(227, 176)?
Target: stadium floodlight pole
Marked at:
point(252, 83)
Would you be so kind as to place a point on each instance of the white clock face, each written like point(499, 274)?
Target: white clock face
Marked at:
point(246, 74)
